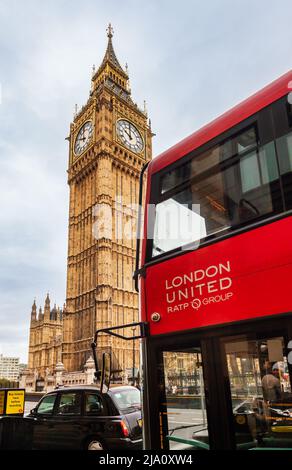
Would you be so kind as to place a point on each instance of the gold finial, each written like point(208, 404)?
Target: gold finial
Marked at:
point(127, 68)
point(110, 31)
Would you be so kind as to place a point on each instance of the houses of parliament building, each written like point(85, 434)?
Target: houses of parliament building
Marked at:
point(109, 142)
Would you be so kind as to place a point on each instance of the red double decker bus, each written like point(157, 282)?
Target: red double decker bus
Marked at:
point(215, 280)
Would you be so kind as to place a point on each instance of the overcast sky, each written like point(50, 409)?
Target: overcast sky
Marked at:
point(190, 60)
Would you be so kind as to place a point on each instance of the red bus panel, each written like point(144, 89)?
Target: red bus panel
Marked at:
point(242, 277)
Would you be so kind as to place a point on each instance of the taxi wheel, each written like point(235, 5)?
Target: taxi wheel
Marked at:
point(94, 444)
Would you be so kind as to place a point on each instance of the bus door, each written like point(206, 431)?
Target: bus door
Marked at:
point(257, 370)
point(190, 406)
point(183, 415)
point(231, 392)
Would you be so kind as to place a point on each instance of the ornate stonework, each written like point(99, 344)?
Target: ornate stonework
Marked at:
point(105, 161)
point(109, 142)
point(45, 339)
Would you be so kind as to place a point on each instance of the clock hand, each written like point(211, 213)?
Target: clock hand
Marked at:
point(129, 135)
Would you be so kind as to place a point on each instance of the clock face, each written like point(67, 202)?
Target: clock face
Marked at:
point(129, 135)
point(83, 137)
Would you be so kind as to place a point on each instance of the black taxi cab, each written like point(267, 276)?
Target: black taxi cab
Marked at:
point(84, 418)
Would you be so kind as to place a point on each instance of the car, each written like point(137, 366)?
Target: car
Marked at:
point(82, 417)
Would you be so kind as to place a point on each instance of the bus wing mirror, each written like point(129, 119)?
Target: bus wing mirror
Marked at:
point(105, 372)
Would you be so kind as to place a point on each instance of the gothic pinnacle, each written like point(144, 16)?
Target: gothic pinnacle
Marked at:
point(110, 56)
point(47, 301)
point(110, 31)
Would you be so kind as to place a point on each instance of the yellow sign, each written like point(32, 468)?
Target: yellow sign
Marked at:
point(2, 399)
point(15, 402)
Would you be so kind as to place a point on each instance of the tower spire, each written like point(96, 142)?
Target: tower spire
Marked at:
point(47, 308)
point(40, 316)
point(33, 311)
point(110, 31)
point(47, 301)
point(110, 58)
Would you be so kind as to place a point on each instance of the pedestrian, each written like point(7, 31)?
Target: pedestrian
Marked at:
point(271, 383)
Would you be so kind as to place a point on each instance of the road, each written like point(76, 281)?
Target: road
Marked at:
point(184, 422)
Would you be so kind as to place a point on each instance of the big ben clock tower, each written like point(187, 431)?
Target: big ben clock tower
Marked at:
point(110, 141)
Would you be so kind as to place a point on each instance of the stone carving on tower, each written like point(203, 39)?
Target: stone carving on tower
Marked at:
point(110, 141)
point(45, 338)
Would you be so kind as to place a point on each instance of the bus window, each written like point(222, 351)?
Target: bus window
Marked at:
point(178, 222)
point(284, 148)
point(183, 410)
point(242, 142)
point(230, 185)
point(260, 392)
point(259, 168)
point(284, 145)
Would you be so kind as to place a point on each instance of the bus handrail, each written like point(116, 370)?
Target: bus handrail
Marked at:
point(191, 442)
